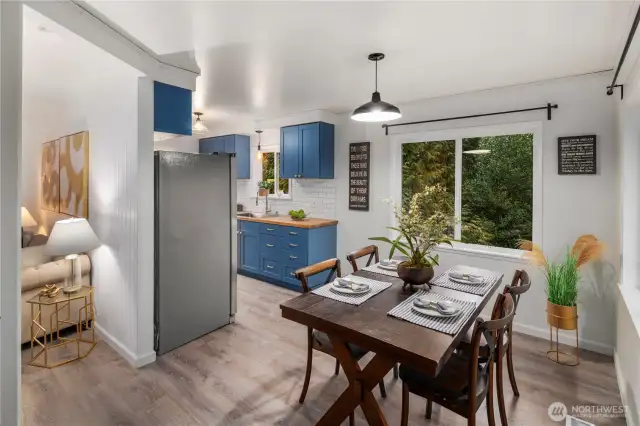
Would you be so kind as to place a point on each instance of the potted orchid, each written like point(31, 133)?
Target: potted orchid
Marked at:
point(422, 225)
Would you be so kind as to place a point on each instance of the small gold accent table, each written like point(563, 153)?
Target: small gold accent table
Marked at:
point(47, 343)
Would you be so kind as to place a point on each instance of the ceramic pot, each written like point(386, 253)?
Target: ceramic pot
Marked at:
point(562, 317)
point(414, 276)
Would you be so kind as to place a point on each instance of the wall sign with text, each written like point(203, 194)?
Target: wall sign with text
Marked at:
point(359, 172)
point(577, 155)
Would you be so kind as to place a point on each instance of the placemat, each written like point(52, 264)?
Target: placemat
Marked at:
point(355, 299)
point(443, 280)
point(376, 270)
point(450, 325)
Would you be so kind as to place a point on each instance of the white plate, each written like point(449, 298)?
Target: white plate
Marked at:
point(433, 312)
point(462, 281)
point(345, 290)
point(388, 267)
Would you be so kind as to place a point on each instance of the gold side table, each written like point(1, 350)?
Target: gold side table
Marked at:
point(62, 304)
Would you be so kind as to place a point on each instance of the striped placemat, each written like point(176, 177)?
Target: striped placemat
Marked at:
point(376, 270)
point(355, 299)
point(449, 325)
point(443, 280)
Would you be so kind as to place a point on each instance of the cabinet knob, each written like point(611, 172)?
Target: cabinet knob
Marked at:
point(269, 245)
point(293, 233)
point(293, 257)
point(293, 245)
point(292, 274)
point(270, 229)
point(239, 232)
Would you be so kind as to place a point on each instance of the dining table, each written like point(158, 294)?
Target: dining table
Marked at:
point(392, 340)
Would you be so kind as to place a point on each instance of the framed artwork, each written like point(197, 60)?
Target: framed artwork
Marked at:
point(50, 176)
point(74, 175)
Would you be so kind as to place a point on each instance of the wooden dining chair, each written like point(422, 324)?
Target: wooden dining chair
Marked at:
point(372, 252)
point(520, 284)
point(318, 340)
point(465, 380)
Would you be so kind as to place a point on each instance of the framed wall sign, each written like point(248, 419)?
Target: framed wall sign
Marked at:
point(359, 173)
point(577, 155)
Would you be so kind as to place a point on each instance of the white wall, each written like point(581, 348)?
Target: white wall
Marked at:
point(627, 336)
point(75, 94)
point(572, 205)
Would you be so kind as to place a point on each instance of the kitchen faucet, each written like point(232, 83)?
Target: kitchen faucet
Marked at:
point(267, 210)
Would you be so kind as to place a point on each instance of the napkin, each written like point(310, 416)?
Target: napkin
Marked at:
point(467, 277)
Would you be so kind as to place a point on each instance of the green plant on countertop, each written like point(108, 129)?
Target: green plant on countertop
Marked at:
point(297, 214)
point(562, 278)
point(425, 223)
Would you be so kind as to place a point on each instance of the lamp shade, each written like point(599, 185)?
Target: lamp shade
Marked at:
point(71, 236)
point(27, 219)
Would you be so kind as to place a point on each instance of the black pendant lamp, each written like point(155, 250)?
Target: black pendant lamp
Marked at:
point(377, 109)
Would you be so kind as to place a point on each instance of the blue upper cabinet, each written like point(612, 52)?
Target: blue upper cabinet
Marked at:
point(240, 145)
point(307, 151)
point(171, 109)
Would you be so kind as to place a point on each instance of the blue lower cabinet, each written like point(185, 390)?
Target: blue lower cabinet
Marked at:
point(270, 266)
point(282, 250)
point(249, 252)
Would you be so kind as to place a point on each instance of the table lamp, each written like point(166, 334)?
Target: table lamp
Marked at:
point(27, 222)
point(68, 238)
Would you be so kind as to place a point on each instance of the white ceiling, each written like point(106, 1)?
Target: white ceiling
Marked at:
point(265, 59)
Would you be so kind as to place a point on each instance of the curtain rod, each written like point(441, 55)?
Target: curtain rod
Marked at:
point(632, 33)
point(549, 107)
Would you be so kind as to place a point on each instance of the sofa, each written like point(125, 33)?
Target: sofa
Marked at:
point(40, 269)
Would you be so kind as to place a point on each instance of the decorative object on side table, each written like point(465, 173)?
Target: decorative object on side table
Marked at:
point(50, 342)
point(68, 238)
point(298, 214)
point(423, 224)
point(562, 281)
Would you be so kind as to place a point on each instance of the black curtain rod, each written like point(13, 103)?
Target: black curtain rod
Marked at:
point(549, 107)
point(632, 33)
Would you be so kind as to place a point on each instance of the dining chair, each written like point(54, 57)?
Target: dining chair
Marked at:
point(372, 252)
point(465, 380)
point(318, 340)
point(520, 284)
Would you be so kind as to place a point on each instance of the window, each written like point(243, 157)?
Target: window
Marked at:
point(271, 174)
point(489, 175)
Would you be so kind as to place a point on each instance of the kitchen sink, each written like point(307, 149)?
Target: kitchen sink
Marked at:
point(257, 214)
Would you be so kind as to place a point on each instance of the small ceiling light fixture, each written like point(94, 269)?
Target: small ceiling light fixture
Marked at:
point(198, 127)
point(477, 151)
point(377, 109)
point(259, 154)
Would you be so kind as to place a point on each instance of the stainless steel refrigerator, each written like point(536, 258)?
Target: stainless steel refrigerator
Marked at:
point(195, 246)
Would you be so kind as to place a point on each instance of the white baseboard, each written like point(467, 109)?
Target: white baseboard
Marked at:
point(123, 351)
point(621, 381)
point(567, 338)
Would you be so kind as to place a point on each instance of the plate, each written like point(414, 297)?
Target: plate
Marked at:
point(433, 312)
point(462, 281)
point(345, 290)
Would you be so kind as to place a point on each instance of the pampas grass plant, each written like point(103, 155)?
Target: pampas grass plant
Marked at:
point(562, 278)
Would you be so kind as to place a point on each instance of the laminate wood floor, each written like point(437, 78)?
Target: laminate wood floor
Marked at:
point(251, 373)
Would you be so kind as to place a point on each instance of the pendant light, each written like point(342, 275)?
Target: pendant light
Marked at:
point(198, 127)
point(259, 154)
point(377, 109)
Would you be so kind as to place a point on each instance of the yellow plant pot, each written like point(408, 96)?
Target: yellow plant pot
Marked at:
point(562, 317)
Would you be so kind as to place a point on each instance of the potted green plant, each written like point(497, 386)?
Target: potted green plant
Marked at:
point(423, 224)
point(298, 214)
point(563, 278)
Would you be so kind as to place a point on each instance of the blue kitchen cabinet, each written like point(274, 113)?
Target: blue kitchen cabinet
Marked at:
point(307, 151)
point(171, 109)
point(248, 246)
point(240, 145)
point(281, 250)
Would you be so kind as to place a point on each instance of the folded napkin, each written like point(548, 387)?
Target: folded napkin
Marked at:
point(467, 277)
point(347, 283)
point(440, 306)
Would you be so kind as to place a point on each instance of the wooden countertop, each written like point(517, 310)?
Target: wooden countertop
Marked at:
point(308, 223)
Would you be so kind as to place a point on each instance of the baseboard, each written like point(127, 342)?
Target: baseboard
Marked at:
point(621, 382)
point(565, 338)
point(123, 351)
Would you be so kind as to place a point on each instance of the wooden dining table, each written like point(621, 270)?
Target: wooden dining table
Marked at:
point(391, 339)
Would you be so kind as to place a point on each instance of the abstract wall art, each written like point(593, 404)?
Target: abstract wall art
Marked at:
point(74, 175)
point(50, 176)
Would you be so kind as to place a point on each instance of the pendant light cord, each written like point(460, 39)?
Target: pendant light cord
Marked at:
point(376, 75)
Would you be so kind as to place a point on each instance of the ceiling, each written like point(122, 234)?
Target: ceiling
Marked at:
point(265, 59)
